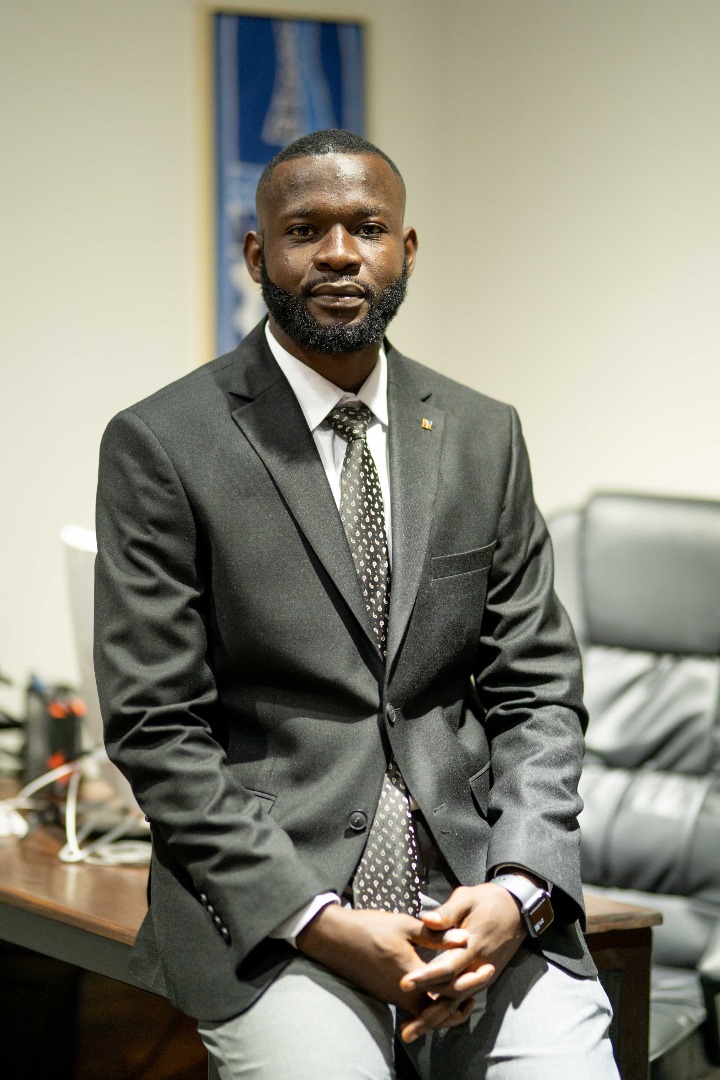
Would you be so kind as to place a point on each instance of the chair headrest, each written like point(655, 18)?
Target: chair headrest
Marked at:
point(650, 573)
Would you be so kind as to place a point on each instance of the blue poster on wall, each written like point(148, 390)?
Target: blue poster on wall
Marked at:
point(275, 79)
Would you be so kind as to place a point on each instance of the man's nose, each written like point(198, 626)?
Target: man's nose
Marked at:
point(338, 251)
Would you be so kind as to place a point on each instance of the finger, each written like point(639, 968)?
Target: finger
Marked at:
point(451, 913)
point(437, 919)
point(442, 1015)
point(436, 1015)
point(454, 1012)
point(468, 982)
point(444, 967)
point(441, 939)
point(471, 980)
point(465, 982)
point(460, 1015)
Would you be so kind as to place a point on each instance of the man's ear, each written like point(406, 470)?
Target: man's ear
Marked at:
point(411, 245)
point(252, 249)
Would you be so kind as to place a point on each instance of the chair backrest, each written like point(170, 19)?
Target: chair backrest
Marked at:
point(640, 578)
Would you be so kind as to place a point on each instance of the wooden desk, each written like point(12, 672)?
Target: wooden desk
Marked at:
point(620, 939)
point(85, 915)
point(89, 916)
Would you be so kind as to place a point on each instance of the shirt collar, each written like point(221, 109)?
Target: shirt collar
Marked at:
point(317, 395)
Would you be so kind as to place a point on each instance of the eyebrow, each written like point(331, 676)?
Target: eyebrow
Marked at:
point(310, 211)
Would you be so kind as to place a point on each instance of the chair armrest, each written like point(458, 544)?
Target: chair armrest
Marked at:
point(709, 972)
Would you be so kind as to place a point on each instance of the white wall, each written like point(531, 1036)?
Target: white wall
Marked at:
point(584, 234)
point(563, 162)
point(97, 290)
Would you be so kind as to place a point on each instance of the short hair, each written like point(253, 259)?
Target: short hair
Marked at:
point(329, 141)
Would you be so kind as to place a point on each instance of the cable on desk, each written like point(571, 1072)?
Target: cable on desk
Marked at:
point(107, 850)
point(12, 823)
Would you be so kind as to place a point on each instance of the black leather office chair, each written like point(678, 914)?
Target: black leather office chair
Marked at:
point(640, 577)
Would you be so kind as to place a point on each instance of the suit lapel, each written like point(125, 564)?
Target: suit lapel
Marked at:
point(415, 452)
point(271, 419)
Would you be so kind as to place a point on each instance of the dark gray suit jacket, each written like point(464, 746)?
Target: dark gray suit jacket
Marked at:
point(245, 700)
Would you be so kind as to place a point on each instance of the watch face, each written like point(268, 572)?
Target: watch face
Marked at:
point(540, 915)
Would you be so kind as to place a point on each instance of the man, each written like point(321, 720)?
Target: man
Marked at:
point(332, 666)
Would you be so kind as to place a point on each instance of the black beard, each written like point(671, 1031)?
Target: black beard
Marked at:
point(291, 314)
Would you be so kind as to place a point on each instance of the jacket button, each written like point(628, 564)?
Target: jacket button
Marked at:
point(203, 898)
point(225, 934)
point(217, 920)
point(358, 820)
point(390, 714)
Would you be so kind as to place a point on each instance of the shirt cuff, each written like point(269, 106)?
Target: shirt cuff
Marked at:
point(289, 928)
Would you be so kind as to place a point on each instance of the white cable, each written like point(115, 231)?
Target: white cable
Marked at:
point(42, 781)
point(72, 846)
point(105, 850)
point(13, 823)
point(100, 851)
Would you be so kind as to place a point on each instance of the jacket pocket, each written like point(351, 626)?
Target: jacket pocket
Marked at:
point(464, 562)
point(480, 786)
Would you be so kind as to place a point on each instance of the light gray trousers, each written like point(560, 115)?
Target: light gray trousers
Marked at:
point(537, 1022)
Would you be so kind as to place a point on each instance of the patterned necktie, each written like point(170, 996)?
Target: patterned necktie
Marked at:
point(387, 874)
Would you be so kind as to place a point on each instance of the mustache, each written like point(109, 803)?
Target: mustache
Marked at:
point(335, 279)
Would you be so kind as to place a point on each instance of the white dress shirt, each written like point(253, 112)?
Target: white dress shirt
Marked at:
point(317, 396)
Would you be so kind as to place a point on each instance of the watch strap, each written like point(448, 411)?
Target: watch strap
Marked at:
point(534, 901)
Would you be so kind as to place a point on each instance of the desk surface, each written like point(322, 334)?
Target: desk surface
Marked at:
point(105, 900)
point(110, 901)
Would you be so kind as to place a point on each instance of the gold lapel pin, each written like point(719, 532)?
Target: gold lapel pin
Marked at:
point(427, 424)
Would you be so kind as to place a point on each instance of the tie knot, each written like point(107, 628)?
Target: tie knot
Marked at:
point(350, 421)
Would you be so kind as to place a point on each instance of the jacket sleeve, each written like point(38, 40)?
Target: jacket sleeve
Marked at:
point(158, 694)
point(529, 681)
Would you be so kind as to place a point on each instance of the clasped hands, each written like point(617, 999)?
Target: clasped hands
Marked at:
point(473, 935)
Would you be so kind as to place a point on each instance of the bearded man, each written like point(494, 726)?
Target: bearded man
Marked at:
point(333, 668)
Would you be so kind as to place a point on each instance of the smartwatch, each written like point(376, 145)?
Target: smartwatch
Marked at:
point(534, 901)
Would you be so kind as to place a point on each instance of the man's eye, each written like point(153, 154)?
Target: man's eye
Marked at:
point(301, 232)
point(371, 230)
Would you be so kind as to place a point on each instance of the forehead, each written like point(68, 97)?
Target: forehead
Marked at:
point(324, 182)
